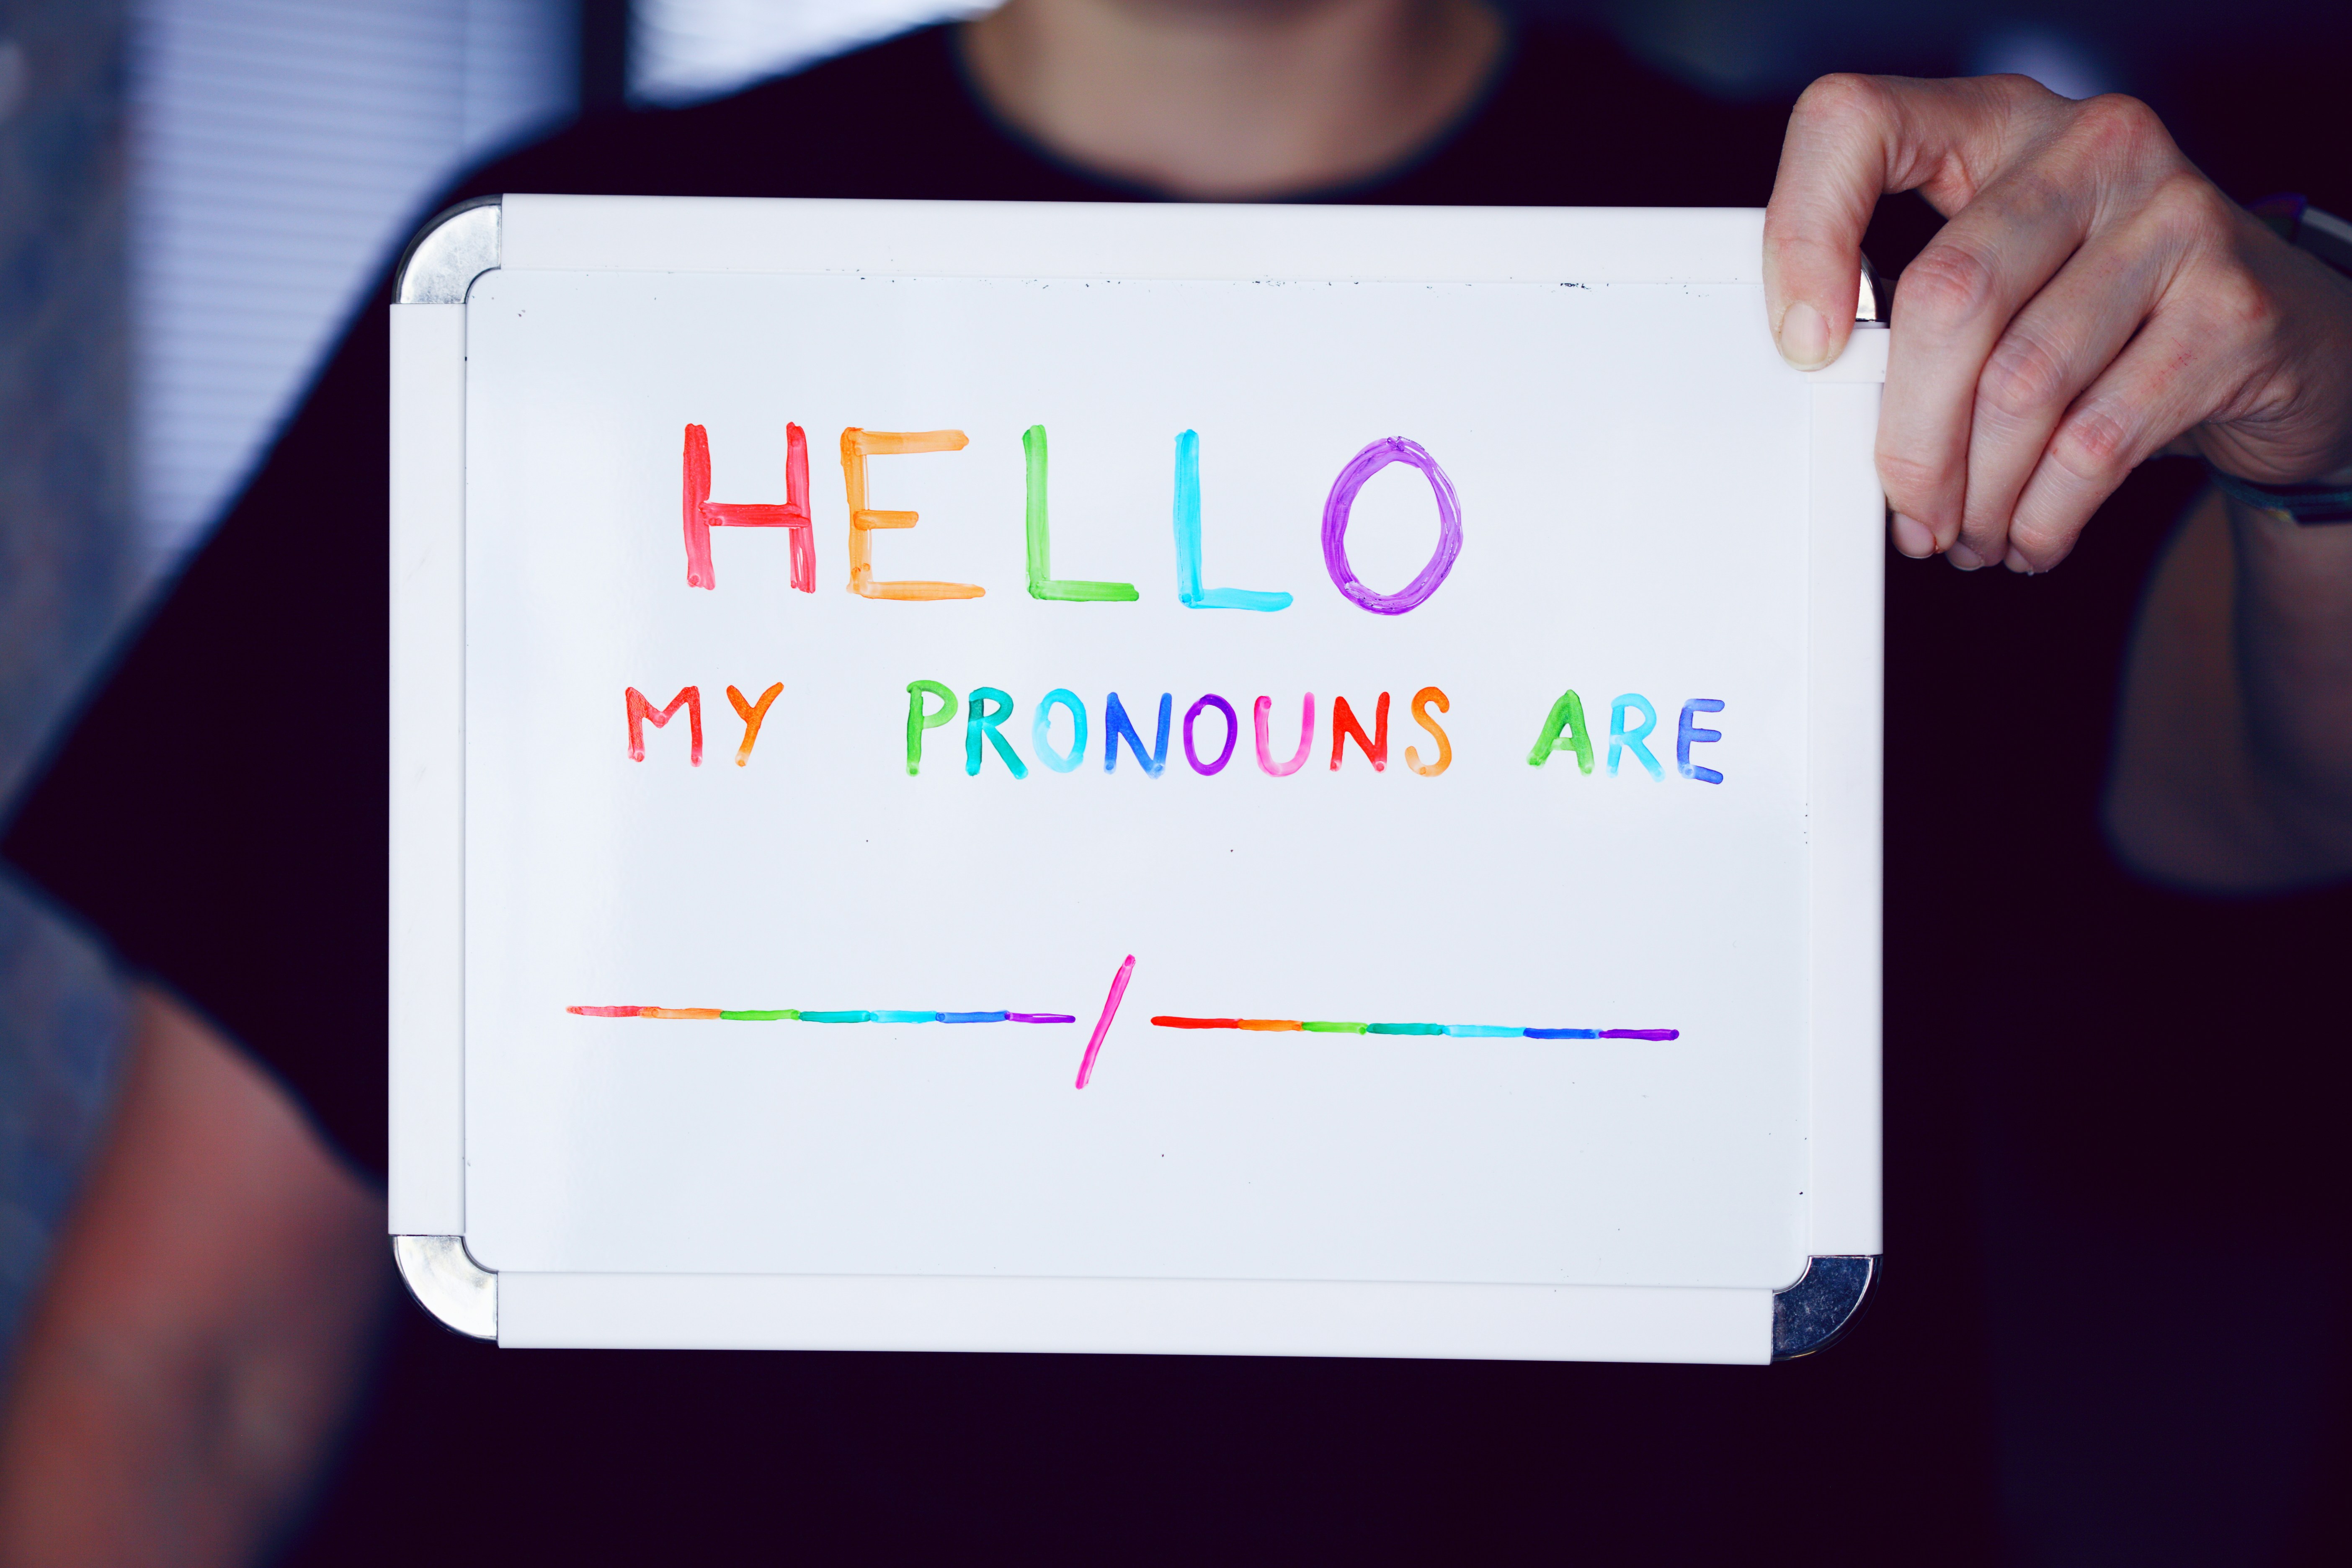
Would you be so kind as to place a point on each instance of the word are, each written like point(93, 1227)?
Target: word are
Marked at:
point(858, 445)
point(931, 705)
point(1564, 729)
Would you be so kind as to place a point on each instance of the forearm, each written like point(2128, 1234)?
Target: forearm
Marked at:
point(117, 1451)
point(2292, 655)
point(203, 1326)
point(2232, 762)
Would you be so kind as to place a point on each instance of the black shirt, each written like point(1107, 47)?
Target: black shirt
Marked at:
point(218, 815)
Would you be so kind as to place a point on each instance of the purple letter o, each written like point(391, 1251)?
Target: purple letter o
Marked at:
point(1233, 733)
point(1361, 467)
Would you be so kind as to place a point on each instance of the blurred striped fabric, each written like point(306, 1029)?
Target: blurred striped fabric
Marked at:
point(681, 50)
point(279, 150)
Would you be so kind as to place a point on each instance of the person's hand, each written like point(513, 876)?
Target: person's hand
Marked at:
point(2092, 300)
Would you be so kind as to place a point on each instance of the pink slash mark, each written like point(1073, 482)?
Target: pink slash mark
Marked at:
point(1110, 1011)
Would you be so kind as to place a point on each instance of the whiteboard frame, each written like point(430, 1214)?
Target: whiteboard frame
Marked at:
point(426, 826)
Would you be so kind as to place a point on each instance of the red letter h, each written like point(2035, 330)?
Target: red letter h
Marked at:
point(703, 514)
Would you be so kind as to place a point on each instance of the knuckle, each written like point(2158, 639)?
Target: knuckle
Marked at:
point(2119, 124)
point(2092, 447)
point(2038, 523)
point(1840, 100)
point(2027, 113)
point(2239, 308)
point(2023, 379)
point(2185, 208)
point(1950, 281)
point(1912, 483)
point(2042, 539)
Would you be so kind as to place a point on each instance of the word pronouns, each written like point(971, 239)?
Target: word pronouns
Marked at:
point(931, 705)
point(701, 514)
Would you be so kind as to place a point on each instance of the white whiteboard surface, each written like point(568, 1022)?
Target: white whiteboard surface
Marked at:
point(1649, 505)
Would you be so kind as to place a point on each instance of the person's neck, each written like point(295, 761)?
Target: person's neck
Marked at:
point(1233, 100)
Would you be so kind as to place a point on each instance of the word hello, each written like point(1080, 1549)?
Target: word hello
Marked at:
point(857, 447)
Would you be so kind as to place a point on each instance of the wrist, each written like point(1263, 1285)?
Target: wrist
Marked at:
point(2326, 500)
point(2306, 227)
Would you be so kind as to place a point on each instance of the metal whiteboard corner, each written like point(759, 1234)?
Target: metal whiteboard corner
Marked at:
point(1876, 300)
point(1814, 1313)
point(448, 253)
point(447, 1282)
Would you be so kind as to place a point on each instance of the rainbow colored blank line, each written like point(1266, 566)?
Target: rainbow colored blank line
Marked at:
point(805, 1016)
point(1456, 1031)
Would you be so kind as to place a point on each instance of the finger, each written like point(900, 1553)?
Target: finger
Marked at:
point(1850, 139)
point(2085, 175)
point(1951, 306)
point(1835, 161)
point(2168, 378)
point(2056, 346)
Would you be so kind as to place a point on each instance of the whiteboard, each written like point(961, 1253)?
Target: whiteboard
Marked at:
point(1072, 955)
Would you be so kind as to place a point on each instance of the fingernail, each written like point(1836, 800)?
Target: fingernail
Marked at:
point(1913, 538)
point(1961, 556)
point(1804, 337)
point(2016, 563)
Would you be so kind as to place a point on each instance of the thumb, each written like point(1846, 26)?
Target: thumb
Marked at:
point(1835, 162)
point(1852, 139)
